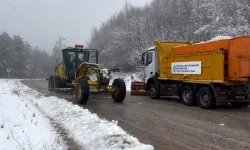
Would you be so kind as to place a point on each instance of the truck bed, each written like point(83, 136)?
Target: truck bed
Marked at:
point(225, 61)
point(203, 67)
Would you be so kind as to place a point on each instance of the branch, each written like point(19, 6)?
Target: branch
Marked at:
point(11, 132)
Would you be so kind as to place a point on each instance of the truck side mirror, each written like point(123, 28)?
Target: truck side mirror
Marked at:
point(143, 58)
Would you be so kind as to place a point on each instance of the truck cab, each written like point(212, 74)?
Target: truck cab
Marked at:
point(207, 74)
point(149, 61)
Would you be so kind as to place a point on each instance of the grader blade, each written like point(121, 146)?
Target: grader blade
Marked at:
point(137, 89)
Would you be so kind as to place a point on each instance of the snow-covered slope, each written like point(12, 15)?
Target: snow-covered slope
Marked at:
point(22, 126)
point(86, 128)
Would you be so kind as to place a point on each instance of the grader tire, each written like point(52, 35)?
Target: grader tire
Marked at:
point(54, 82)
point(57, 82)
point(82, 91)
point(119, 90)
point(50, 83)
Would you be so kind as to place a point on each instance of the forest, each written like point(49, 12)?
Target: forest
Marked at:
point(128, 33)
point(23, 60)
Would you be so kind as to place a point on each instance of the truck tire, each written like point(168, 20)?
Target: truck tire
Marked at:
point(119, 90)
point(187, 96)
point(152, 91)
point(82, 91)
point(206, 99)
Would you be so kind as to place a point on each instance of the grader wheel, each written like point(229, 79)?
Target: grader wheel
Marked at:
point(50, 83)
point(54, 82)
point(82, 91)
point(119, 90)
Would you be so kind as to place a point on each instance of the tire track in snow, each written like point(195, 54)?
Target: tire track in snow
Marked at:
point(70, 142)
point(85, 127)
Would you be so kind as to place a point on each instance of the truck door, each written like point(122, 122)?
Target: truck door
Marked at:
point(150, 65)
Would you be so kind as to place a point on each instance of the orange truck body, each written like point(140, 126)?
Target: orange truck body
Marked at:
point(224, 61)
point(208, 73)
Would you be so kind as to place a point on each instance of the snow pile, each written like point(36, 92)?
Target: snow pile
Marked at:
point(217, 38)
point(90, 132)
point(22, 126)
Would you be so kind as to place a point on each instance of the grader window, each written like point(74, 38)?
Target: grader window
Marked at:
point(72, 57)
point(83, 57)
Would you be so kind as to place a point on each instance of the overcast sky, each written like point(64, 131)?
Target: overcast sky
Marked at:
point(42, 22)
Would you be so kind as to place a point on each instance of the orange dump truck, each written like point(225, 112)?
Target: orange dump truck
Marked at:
point(207, 74)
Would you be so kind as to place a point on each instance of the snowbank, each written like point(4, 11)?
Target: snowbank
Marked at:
point(22, 126)
point(86, 128)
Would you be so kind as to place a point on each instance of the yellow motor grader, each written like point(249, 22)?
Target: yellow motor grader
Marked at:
point(75, 72)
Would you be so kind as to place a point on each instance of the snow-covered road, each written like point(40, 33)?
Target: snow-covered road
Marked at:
point(24, 122)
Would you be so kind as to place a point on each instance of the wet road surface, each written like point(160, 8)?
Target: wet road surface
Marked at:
point(168, 124)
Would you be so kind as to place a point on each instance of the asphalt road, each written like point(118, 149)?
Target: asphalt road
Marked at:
point(168, 124)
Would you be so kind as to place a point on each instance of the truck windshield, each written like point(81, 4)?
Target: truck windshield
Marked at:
point(149, 58)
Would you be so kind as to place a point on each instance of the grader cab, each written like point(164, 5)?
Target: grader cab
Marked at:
point(77, 73)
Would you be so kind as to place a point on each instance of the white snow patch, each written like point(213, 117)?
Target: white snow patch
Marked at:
point(222, 124)
point(217, 38)
point(86, 128)
point(22, 126)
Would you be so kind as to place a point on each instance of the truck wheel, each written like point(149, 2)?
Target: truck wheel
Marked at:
point(82, 91)
point(152, 91)
point(119, 90)
point(187, 96)
point(206, 99)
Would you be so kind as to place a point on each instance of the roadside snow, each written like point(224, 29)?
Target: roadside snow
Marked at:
point(22, 126)
point(86, 128)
